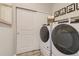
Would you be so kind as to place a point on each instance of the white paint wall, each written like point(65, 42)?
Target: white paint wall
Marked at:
point(7, 41)
point(41, 7)
point(57, 6)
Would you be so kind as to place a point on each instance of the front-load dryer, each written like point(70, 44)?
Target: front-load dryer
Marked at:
point(45, 32)
point(65, 38)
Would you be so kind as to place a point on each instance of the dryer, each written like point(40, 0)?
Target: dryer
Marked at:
point(45, 33)
point(65, 38)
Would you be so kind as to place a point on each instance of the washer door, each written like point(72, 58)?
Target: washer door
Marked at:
point(44, 34)
point(66, 39)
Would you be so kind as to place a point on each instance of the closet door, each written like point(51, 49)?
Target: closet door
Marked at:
point(28, 29)
point(25, 31)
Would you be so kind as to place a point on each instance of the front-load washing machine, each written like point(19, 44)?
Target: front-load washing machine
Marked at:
point(45, 33)
point(65, 37)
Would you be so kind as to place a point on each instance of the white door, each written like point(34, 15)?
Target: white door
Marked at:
point(28, 28)
point(25, 31)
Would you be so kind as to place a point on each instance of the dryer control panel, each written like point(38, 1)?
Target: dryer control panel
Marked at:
point(63, 21)
point(74, 19)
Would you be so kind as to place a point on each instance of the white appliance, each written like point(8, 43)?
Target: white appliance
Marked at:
point(45, 32)
point(65, 37)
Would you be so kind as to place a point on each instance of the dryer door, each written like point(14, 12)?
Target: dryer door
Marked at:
point(66, 39)
point(44, 33)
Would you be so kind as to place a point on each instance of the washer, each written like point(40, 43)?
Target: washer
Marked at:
point(45, 40)
point(65, 37)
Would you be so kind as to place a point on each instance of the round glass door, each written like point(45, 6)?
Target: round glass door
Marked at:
point(66, 39)
point(44, 34)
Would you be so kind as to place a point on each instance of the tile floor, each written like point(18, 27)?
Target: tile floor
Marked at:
point(31, 53)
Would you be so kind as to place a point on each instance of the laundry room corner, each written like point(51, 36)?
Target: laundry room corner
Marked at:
point(39, 29)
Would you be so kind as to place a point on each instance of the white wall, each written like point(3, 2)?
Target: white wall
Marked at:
point(57, 6)
point(7, 41)
point(41, 7)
